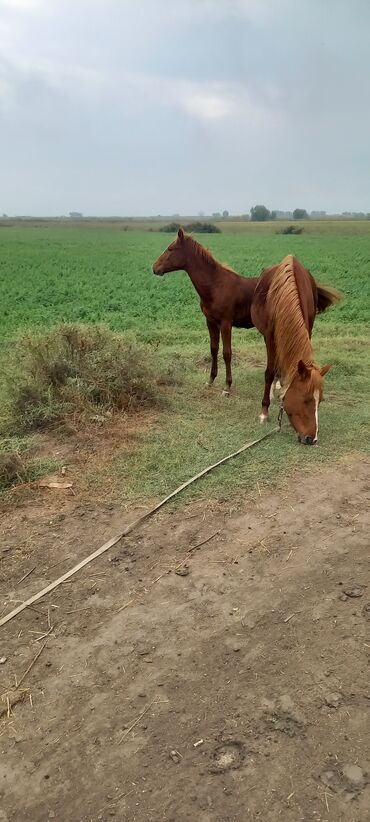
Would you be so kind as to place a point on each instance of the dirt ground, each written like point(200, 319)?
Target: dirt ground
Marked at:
point(226, 683)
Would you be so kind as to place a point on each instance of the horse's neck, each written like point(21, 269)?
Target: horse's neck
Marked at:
point(203, 277)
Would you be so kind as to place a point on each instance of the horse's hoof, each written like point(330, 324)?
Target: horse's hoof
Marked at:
point(209, 384)
point(225, 393)
point(263, 418)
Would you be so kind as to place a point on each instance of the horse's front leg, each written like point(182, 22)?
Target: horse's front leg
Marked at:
point(214, 337)
point(269, 379)
point(226, 343)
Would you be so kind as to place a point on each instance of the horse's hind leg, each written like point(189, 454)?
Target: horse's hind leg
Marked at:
point(226, 342)
point(214, 336)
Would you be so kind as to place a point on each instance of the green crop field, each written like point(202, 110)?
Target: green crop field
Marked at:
point(103, 274)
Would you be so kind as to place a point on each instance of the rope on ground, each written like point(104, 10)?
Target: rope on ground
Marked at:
point(130, 528)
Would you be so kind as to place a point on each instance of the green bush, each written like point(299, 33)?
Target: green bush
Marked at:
point(73, 369)
point(291, 229)
point(196, 227)
point(203, 228)
point(170, 228)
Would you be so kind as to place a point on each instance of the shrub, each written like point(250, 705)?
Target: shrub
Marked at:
point(170, 228)
point(203, 228)
point(291, 229)
point(74, 369)
point(197, 227)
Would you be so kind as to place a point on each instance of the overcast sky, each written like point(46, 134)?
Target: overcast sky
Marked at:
point(161, 106)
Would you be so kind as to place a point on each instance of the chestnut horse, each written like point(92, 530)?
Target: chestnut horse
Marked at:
point(284, 306)
point(225, 296)
point(226, 299)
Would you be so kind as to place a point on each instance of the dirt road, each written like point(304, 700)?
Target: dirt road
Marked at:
point(222, 684)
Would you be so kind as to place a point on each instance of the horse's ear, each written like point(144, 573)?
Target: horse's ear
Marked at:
point(324, 370)
point(303, 370)
point(181, 234)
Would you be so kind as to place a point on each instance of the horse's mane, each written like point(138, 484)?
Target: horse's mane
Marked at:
point(292, 340)
point(205, 255)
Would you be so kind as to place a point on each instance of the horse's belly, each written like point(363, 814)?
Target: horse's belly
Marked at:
point(218, 314)
point(245, 322)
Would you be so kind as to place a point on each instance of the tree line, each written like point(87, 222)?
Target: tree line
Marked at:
point(260, 214)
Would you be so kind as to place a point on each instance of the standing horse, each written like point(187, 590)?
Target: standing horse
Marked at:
point(225, 296)
point(226, 300)
point(285, 302)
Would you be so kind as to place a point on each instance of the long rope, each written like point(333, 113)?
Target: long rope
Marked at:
point(129, 528)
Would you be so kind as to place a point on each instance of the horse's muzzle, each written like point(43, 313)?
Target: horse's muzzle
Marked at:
point(158, 273)
point(306, 440)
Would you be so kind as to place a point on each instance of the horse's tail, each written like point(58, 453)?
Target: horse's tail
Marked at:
point(326, 297)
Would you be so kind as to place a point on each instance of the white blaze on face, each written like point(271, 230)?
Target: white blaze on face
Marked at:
point(316, 395)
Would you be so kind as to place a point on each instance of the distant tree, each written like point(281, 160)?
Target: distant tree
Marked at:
point(260, 213)
point(225, 214)
point(273, 215)
point(300, 214)
point(216, 215)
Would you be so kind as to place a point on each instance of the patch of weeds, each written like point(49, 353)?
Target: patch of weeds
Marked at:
point(39, 468)
point(18, 444)
point(17, 468)
point(74, 369)
point(170, 378)
point(12, 469)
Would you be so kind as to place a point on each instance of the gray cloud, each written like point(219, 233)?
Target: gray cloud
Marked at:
point(114, 107)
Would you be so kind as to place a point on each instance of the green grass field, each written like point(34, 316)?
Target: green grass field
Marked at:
point(103, 274)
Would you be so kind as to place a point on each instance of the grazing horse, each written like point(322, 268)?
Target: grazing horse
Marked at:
point(225, 296)
point(284, 306)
